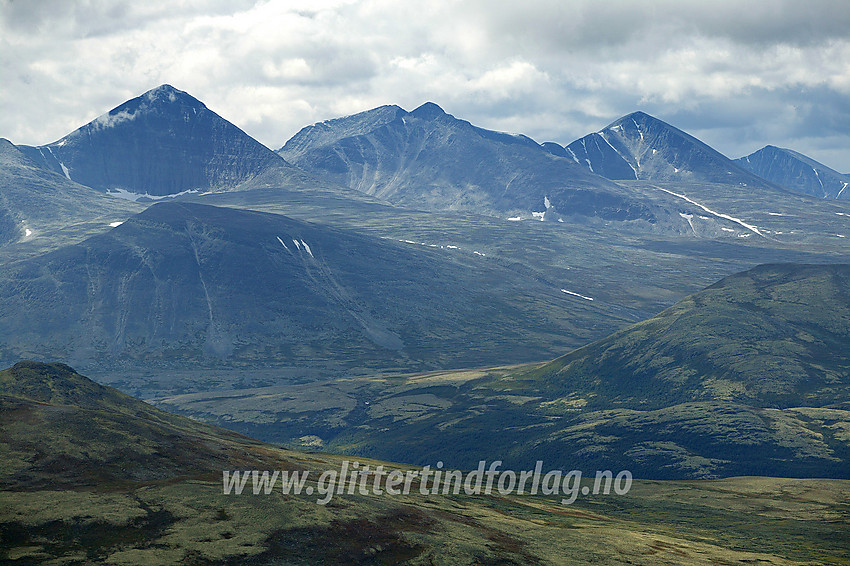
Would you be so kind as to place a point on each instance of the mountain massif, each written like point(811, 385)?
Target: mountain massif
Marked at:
point(429, 159)
point(796, 171)
point(163, 142)
point(184, 283)
point(641, 147)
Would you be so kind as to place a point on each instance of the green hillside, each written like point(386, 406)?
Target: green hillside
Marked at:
point(90, 475)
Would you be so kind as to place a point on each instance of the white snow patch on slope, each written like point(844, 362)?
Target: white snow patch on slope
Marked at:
point(297, 244)
point(778, 214)
point(690, 219)
point(577, 295)
point(65, 170)
point(725, 229)
point(539, 215)
point(750, 227)
point(115, 224)
point(306, 247)
point(575, 158)
point(27, 232)
point(127, 195)
point(282, 244)
point(842, 190)
point(476, 252)
point(515, 218)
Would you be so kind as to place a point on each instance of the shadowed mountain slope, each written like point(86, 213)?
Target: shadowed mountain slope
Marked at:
point(641, 147)
point(431, 160)
point(796, 171)
point(160, 143)
point(184, 283)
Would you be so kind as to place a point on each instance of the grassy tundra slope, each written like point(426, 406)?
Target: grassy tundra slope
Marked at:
point(93, 476)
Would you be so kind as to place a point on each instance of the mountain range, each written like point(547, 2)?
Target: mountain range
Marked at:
point(429, 159)
point(394, 241)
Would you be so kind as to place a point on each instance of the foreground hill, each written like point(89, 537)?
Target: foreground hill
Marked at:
point(160, 143)
point(90, 475)
point(749, 377)
point(183, 284)
point(430, 160)
point(641, 147)
point(796, 171)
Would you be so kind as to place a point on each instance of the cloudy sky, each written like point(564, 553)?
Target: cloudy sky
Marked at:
point(737, 74)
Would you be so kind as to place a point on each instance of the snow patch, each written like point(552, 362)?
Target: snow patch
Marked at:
point(297, 244)
point(738, 221)
point(476, 252)
point(725, 229)
point(839, 235)
point(577, 295)
point(575, 158)
point(115, 224)
point(842, 190)
point(127, 195)
point(515, 218)
point(27, 232)
point(778, 214)
point(282, 244)
point(65, 170)
point(538, 215)
point(307, 248)
point(690, 219)
point(547, 203)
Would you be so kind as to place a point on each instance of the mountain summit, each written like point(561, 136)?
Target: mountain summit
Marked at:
point(796, 171)
point(160, 143)
point(429, 159)
point(640, 146)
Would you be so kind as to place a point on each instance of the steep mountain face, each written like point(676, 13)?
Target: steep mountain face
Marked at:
point(182, 284)
point(639, 146)
point(796, 171)
point(161, 143)
point(429, 159)
point(35, 204)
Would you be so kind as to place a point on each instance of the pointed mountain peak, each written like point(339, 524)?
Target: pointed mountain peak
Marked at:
point(429, 111)
point(635, 120)
point(164, 99)
point(796, 171)
point(162, 142)
point(641, 146)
